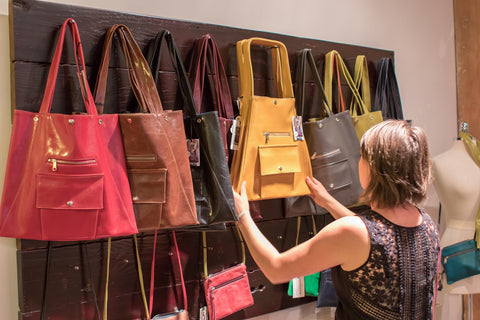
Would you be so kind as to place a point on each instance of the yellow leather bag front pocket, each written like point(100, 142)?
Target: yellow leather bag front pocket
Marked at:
point(278, 165)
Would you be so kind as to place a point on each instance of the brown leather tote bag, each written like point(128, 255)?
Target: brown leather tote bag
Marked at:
point(154, 143)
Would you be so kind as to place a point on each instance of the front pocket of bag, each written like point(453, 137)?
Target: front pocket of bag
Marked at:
point(69, 205)
point(332, 169)
point(278, 165)
point(148, 189)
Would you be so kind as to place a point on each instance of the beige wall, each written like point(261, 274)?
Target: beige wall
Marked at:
point(420, 32)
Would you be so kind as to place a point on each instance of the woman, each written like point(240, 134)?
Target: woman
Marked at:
point(384, 262)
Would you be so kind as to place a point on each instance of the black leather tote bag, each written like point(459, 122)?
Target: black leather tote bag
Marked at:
point(211, 179)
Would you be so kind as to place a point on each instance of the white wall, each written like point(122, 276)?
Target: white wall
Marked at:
point(421, 33)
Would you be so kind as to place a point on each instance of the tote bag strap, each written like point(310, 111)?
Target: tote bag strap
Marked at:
point(177, 253)
point(152, 273)
point(331, 68)
point(46, 104)
point(330, 58)
point(362, 82)
point(387, 95)
point(281, 67)
point(107, 278)
point(305, 58)
point(206, 57)
point(204, 247)
point(140, 278)
point(153, 57)
point(299, 221)
point(141, 79)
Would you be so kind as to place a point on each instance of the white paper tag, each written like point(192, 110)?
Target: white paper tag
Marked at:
point(297, 128)
point(193, 147)
point(235, 130)
point(203, 314)
point(298, 287)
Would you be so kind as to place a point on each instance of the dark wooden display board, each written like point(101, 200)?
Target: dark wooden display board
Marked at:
point(77, 274)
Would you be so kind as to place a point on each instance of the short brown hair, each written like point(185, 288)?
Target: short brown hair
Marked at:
point(399, 161)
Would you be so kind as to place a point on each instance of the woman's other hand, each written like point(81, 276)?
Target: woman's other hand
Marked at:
point(241, 200)
point(319, 194)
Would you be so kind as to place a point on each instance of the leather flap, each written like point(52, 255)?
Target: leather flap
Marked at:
point(148, 185)
point(68, 191)
point(277, 159)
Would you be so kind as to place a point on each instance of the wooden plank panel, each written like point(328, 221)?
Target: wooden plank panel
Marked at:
point(467, 50)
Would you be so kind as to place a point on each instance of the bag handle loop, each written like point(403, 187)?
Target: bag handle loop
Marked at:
point(282, 77)
point(331, 58)
point(206, 54)
point(305, 56)
point(362, 82)
point(387, 95)
point(140, 76)
point(46, 104)
point(154, 55)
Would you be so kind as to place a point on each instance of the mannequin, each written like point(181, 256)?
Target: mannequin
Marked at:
point(457, 182)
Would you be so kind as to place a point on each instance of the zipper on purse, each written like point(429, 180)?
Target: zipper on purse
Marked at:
point(55, 162)
point(140, 158)
point(267, 135)
point(212, 289)
point(314, 156)
point(457, 253)
point(226, 283)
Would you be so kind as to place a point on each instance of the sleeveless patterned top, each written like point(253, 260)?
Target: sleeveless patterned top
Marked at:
point(398, 279)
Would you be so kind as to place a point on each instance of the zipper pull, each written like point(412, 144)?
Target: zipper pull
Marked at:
point(267, 136)
point(54, 164)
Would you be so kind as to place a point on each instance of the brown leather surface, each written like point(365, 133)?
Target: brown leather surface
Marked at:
point(153, 140)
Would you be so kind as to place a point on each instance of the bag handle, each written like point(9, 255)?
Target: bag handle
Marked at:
point(281, 67)
point(362, 82)
point(305, 56)
point(107, 278)
point(387, 95)
point(204, 247)
point(299, 221)
point(153, 57)
point(46, 104)
point(206, 53)
point(140, 77)
point(149, 307)
point(331, 58)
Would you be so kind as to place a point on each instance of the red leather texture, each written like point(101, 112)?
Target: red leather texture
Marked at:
point(227, 292)
point(66, 177)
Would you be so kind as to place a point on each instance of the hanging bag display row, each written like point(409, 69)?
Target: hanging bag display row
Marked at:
point(272, 155)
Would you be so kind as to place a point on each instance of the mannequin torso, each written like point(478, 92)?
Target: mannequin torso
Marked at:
point(457, 182)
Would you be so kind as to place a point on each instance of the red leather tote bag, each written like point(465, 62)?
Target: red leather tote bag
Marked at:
point(66, 177)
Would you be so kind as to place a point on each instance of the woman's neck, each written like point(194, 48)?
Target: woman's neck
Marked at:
point(405, 215)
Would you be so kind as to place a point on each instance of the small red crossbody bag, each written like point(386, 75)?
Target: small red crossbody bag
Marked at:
point(227, 291)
